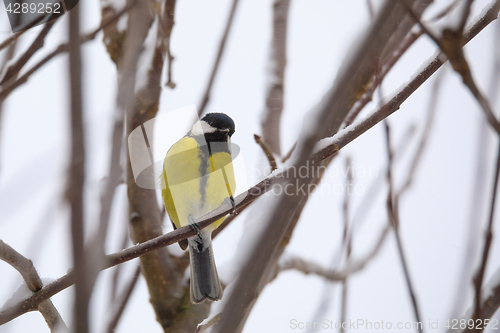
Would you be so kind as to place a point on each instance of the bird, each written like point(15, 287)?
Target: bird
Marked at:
point(197, 177)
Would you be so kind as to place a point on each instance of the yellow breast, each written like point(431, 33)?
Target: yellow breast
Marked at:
point(195, 183)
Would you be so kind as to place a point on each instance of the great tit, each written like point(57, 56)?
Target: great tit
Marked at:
point(197, 177)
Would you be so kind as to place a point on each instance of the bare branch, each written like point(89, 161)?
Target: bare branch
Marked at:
point(271, 118)
point(488, 237)
point(209, 322)
point(11, 39)
point(123, 300)
point(60, 49)
point(491, 292)
point(346, 239)
point(267, 151)
point(325, 121)
point(8, 55)
point(451, 43)
point(465, 15)
point(385, 67)
point(76, 181)
point(308, 267)
point(426, 133)
point(167, 22)
point(16, 67)
point(289, 154)
point(478, 194)
point(394, 222)
point(25, 267)
point(395, 103)
point(222, 45)
point(446, 10)
point(117, 271)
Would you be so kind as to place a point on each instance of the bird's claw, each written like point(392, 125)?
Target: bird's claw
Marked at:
point(194, 225)
point(233, 211)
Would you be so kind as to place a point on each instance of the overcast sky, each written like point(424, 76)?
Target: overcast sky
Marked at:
point(434, 214)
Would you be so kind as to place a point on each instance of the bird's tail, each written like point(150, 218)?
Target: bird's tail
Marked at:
point(205, 281)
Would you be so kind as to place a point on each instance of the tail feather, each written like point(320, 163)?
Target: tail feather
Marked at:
point(205, 281)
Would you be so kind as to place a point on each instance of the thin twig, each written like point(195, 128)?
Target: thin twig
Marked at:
point(451, 43)
point(25, 267)
point(267, 151)
point(347, 238)
point(490, 305)
point(123, 300)
point(76, 181)
point(222, 45)
point(167, 21)
point(37, 44)
point(478, 193)
point(488, 237)
point(253, 193)
point(289, 154)
point(11, 39)
point(117, 271)
point(206, 324)
point(60, 49)
point(385, 67)
point(8, 55)
point(271, 117)
point(394, 222)
point(308, 267)
point(417, 157)
point(378, 183)
point(465, 16)
point(445, 11)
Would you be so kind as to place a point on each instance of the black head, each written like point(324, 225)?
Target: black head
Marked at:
point(221, 122)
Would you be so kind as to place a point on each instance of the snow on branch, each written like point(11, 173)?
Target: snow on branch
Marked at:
point(30, 276)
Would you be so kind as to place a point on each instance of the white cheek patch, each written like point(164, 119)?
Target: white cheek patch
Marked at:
point(201, 127)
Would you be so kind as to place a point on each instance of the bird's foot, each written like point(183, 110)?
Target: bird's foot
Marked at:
point(233, 205)
point(194, 225)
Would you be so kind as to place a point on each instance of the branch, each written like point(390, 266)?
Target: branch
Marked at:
point(60, 49)
point(123, 300)
point(488, 237)
point(116, 273)
point(394, 222)
point(207, 323)
point(356, 129)
point(384, 70)
point(25, 267)
point(346, 239)
point(325, 120)
point(7, 56)
point(308, 267)
point(338, 142)
point(16, 67)
point(167, 22)
point(399, 43)
point(76, 181)
point(490, 305)
point(271, 118)
point(163, 276)
point(11, 39)
point(425, 135)
point(222, 45)
point(451, 43)
point(114, 177)
point(267, 151)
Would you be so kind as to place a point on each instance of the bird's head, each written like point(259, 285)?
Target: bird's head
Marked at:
point(215, 127)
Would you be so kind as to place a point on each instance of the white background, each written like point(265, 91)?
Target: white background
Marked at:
point(434, 215)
